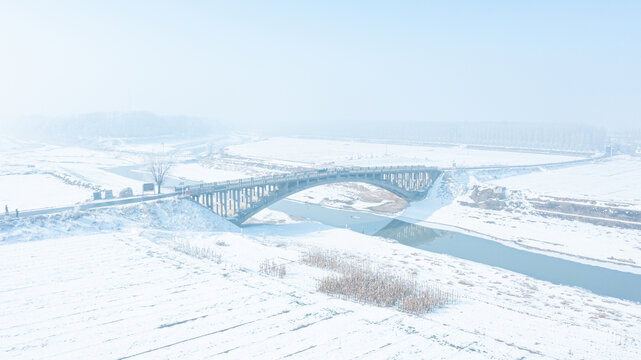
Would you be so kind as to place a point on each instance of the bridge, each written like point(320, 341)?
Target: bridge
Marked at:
point(239, 200)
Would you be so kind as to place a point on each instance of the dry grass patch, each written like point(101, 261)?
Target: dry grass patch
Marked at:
point(269, 267)
point(363, 284)
point(198, 252)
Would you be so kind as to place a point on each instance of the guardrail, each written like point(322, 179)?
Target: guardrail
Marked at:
point(91, 205)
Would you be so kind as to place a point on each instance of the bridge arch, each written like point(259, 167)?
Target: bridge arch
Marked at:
point(244, 215)
point(239, 200)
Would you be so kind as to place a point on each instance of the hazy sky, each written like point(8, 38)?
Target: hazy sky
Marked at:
point(303, 61)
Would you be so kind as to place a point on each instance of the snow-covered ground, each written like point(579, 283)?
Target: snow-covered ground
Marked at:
point(114, 164)
point(529, 229)
point(616, 179)
point(117, 283)
point(353, 196)
point(334, 153)
point(55, 169)
point(269, 216)
point(199, 173)
point(36, 175)
point(39, 190)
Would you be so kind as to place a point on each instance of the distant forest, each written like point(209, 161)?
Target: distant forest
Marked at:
point(111, 125)
point(561, 137)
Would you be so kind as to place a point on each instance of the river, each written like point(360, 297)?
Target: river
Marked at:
point(599, 280)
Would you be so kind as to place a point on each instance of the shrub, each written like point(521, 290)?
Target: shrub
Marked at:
point(198, 252)
point(364, 284)
point(269, 267)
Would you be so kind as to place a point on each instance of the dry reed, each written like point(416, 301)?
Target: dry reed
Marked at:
point(269, 267)
point(198, 252)
point(363, 284)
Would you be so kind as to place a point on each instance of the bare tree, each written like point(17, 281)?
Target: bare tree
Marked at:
point(159, 167)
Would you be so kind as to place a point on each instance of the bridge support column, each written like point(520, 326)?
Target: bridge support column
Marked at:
point(224, 204)
point(236, 200)
point(227, 200)
point(233, 202)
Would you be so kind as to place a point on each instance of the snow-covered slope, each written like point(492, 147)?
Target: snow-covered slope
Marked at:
point(172, 215)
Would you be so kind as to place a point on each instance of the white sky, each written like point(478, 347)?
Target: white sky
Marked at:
point(293, 61)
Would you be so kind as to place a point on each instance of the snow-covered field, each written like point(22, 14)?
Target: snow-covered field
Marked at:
point(57, 175)
point(39, 190)
point(116, 283)
point(334, 153)
point(199, 173)
point(68, 174)
point(618, 179)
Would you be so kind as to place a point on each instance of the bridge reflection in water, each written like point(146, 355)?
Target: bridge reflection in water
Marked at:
point(408, 233)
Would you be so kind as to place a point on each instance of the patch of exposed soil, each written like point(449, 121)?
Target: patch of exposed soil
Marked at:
point(389, 208)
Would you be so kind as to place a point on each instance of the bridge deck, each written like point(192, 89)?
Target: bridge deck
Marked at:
point(297, 176)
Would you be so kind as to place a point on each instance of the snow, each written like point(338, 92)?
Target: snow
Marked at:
point(615, 179)
point(332, 152)
point(174, 215)
point(199, 173)
point(124, 290)
point(352, 196)
point(37, 191)
point(114, 282)
point(269, 216)
point(583, 242)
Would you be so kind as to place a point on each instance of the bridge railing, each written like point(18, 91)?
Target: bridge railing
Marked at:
point(304, 175)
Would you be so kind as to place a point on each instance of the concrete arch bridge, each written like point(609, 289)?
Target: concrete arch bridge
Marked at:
point(239, 200)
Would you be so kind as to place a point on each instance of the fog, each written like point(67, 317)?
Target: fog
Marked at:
point(292, 67)
point(320, 179)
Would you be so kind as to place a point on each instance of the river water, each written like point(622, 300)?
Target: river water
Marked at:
point(599, 280)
